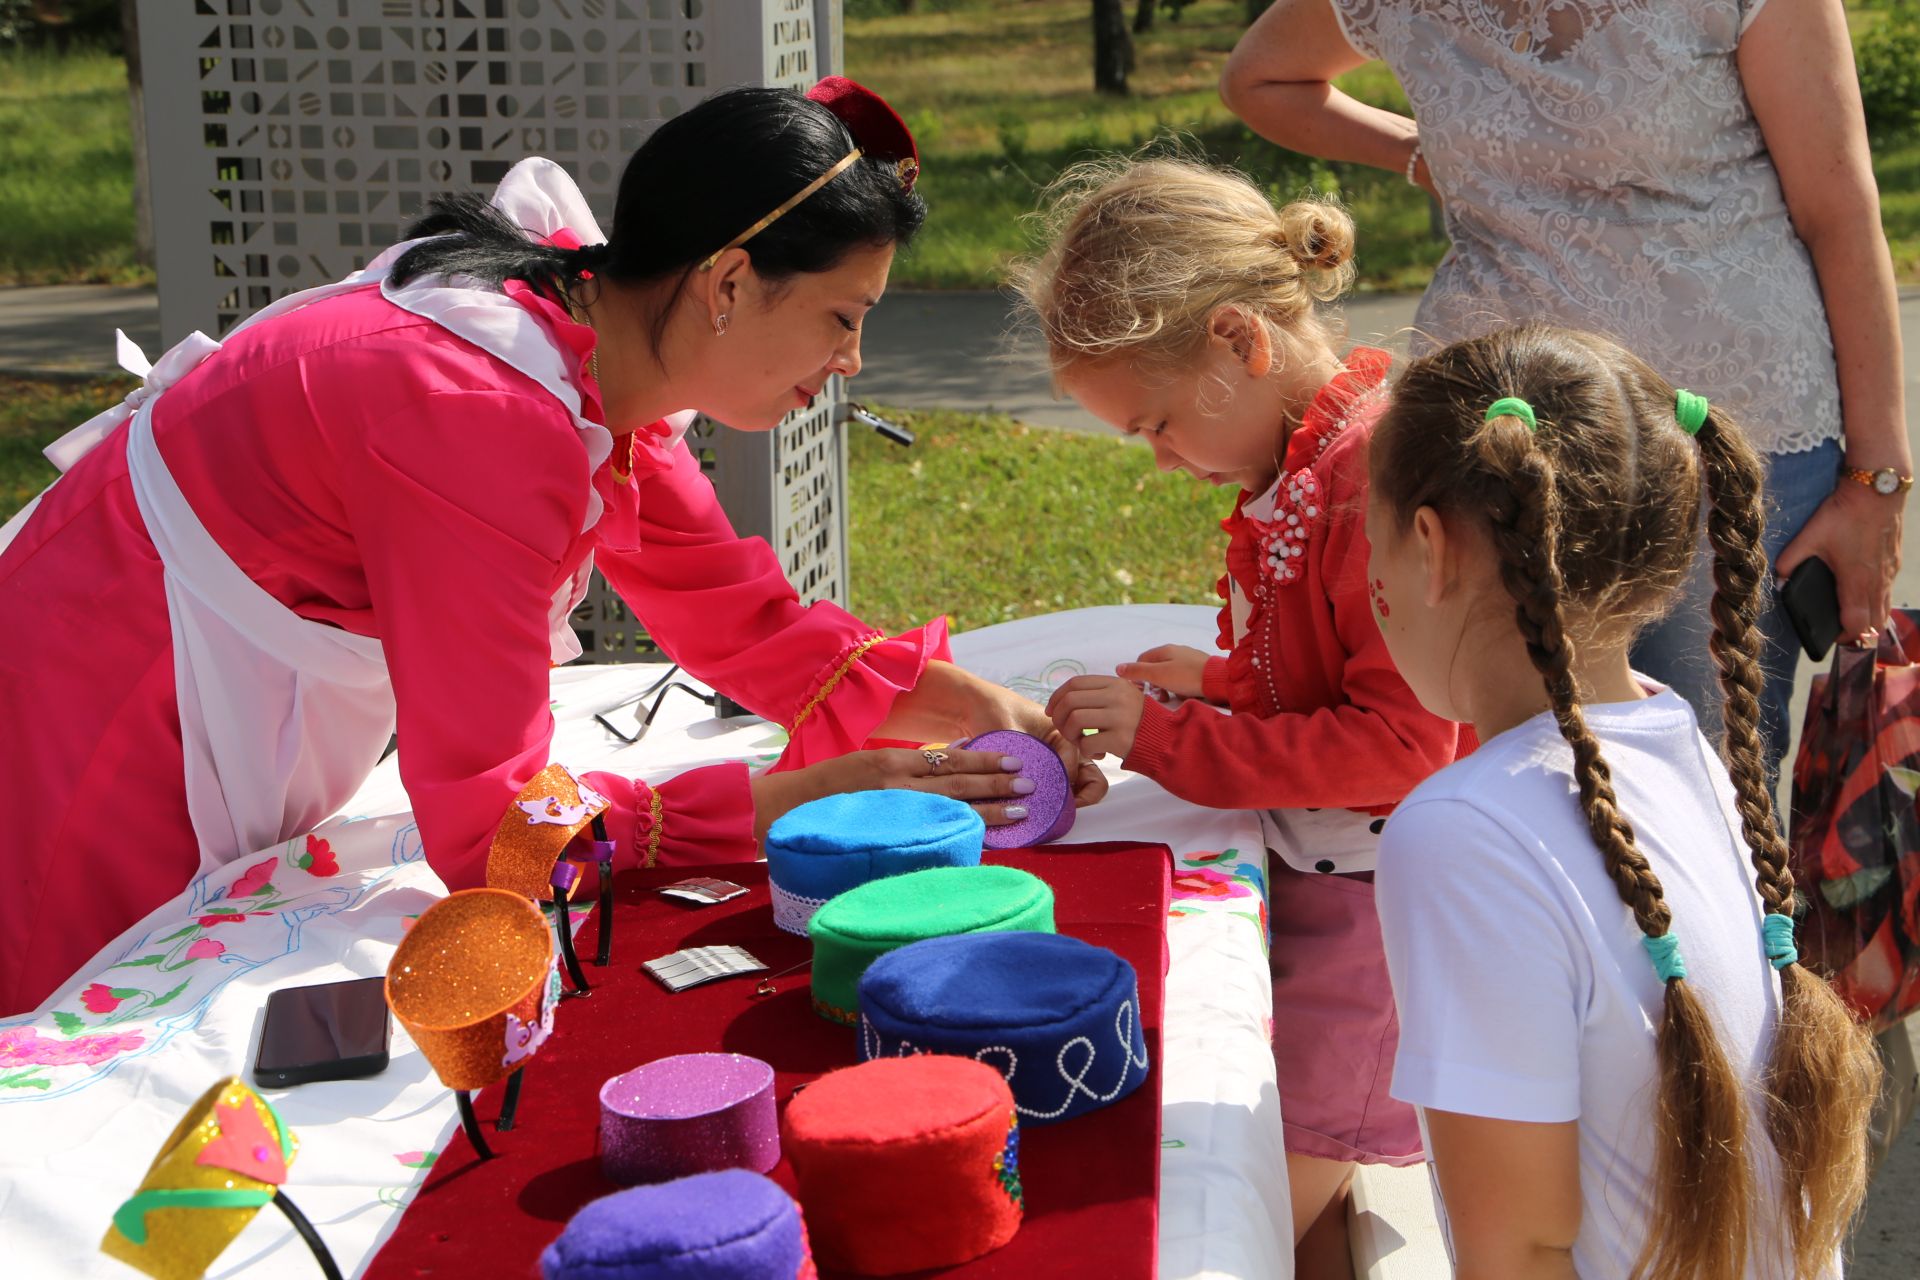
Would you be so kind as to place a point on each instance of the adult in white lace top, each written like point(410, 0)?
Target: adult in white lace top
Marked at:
point(1689, 176)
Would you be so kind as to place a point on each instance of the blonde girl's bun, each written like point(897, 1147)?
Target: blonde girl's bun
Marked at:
point(1141, 252)
point(1319, 235)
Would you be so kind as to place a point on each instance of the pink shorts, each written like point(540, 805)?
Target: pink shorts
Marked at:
point(1334, 1026)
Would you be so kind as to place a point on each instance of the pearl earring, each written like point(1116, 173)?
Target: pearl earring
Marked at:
point(720, 326)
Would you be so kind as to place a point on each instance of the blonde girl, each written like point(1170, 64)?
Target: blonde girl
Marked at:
point(1623, 1069)
point(1180, 306)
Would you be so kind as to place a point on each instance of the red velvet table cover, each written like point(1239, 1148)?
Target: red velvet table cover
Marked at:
point(1092, 1184)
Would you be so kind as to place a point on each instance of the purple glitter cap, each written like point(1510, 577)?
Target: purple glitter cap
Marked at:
point(1050, 805)
point(688, 1114)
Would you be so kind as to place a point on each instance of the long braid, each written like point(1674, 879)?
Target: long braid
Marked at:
point(1701, 1217)
point(1823, 1073)
point(1524, 521)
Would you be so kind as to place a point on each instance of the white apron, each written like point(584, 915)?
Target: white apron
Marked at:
point(282, 718)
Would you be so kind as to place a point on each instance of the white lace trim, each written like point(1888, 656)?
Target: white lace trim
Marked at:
point(791, 911)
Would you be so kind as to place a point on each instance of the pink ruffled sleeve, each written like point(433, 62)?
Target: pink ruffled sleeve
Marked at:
point(721, 606)
point(702, 815)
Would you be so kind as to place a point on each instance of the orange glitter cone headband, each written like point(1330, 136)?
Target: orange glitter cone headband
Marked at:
point(474, 984)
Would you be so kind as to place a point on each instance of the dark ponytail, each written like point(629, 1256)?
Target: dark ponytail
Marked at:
point(472, 238)
point(699, 180)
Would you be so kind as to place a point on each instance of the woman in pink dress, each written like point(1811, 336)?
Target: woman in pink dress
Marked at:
point(371, 508)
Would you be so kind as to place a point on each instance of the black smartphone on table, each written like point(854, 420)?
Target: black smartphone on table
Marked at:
point(332, 1031)
point(1811, 598)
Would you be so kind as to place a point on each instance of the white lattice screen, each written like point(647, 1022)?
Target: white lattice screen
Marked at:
point(291, 140)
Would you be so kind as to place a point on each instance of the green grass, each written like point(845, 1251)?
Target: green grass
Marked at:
point(33, 414)
point(999, 94)
point(984, 519)
point(66, 169)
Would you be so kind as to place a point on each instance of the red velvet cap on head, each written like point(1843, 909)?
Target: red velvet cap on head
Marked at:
point(877, 128)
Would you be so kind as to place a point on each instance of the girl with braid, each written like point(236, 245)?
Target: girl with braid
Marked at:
point(1622, 1068)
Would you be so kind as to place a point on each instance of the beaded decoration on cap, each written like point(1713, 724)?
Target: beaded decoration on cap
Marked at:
point(878, 134)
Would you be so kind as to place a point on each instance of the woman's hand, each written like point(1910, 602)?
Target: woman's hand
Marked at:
point(1857, 532)
point(951, 704)
point(1176, 668)
point(1107, 707)
point(987, 780)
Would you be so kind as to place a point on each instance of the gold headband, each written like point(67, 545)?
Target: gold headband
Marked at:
point(845, 162)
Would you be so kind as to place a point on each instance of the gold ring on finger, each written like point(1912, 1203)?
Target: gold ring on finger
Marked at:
point(934, 759)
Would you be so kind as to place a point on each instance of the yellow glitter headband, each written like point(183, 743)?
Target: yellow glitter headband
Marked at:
point(474, 984)
point(846, 162)
point(222, 1163)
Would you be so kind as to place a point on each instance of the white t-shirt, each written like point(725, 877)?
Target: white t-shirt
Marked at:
point(1523, 990)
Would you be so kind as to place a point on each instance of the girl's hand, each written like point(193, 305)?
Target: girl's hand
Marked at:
point(1107, 707)
point(1089, 784)
point(1177, 668)
point(1857, 532)
point(987, 780)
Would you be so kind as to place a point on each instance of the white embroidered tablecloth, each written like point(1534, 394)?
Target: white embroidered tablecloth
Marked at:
point(93, 1083)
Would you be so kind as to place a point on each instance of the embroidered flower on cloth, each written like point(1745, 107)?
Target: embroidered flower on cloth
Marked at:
point(23, 1046)
point(1205, 882)
point(319, 859)
point(256, 877)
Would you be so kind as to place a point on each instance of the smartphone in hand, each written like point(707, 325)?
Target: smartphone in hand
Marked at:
point(1811, 598)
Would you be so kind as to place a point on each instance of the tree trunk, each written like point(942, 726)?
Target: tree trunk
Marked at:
point(137, 106)
point(1112, 47)
point(1143, 16)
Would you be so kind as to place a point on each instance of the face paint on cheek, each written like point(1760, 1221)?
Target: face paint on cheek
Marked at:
point(1381, 609)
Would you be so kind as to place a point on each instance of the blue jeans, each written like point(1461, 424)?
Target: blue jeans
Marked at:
point(1674, 650)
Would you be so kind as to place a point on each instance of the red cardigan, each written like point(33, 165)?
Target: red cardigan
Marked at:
point(1320, 716)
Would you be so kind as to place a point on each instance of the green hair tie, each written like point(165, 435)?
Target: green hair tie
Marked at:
point(1777, 930)
point(1691, 410)
point(1512, 407)
point(1665, 953)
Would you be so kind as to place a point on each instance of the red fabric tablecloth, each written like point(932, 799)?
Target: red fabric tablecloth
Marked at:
point(1092, 1183)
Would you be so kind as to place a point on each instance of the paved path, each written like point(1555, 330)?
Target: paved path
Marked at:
point(953, 350)
point(950, 350)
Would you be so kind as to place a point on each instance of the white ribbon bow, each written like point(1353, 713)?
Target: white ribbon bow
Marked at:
point(177, 363)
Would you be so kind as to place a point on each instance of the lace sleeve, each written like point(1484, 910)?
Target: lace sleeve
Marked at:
point(1360, 23)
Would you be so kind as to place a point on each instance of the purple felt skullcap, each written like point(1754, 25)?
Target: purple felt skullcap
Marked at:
point(1050, 805)
point(687, 1114)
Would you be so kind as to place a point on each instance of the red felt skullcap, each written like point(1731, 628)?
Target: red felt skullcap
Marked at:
point(877, 128)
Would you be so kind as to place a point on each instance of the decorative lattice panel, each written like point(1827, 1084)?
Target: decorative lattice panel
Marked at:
point(291, 140)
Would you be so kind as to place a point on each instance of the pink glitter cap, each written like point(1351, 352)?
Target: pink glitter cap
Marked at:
point(1050, 805)
point(690, 1113)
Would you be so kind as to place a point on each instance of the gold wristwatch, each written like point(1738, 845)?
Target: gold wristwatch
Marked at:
point(1885, 481)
